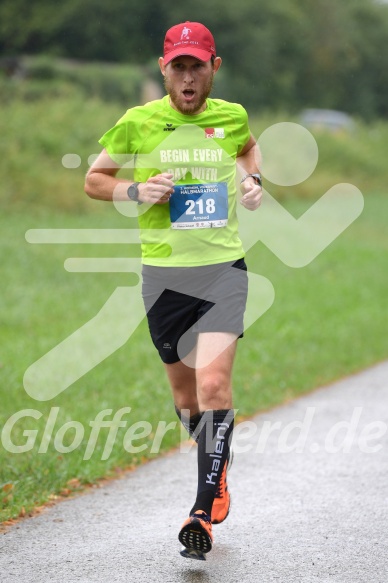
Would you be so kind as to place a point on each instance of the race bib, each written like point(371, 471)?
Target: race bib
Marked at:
point(199, 206)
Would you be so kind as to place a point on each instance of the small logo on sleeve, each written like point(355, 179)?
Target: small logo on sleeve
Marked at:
point(214, 133)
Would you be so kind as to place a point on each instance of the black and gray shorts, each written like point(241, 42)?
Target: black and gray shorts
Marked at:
point(181, 302)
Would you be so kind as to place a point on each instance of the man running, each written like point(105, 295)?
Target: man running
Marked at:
point(184, 148)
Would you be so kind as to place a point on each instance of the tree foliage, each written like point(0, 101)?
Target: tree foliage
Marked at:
point(283, 54)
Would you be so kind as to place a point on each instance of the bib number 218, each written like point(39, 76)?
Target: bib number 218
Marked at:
point(210, 206)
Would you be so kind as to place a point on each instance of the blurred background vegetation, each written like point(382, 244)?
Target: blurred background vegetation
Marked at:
point(68, 71)
point(283, 55)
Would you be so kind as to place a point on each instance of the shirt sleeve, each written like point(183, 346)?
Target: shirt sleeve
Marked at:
point(117, 143)
point(243, 133)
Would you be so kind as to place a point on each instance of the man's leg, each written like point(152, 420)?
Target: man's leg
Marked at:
point(197, 389)
point(206, 389)
point(183, 384)
point(214, 394)
point(214, 381)
point(184, 389)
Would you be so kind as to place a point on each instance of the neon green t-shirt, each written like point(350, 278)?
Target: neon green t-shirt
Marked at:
point(199, 224)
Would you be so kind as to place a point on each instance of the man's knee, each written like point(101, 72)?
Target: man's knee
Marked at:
point(215, 390)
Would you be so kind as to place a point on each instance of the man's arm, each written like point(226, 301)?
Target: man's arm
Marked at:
point(101, 183)
point(249, 162)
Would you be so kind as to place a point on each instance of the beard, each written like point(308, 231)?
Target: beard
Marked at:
point(201, 94)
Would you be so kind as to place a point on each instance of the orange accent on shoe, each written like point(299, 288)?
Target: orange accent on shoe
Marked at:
point(196, 532)
point(221, 504)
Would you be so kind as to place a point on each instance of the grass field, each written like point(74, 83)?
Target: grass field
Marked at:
point(329, 319)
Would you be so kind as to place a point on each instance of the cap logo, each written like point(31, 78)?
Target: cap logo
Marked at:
point(185, 33)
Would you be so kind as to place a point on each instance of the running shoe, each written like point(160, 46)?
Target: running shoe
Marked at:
point(221, 504)
point(196, 536)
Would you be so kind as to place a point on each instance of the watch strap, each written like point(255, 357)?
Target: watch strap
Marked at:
point(256, 177)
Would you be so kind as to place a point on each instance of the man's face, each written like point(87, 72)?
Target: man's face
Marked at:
point(189, 81)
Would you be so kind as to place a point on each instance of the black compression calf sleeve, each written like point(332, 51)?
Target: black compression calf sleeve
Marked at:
point(190, 423)
point(213, 450)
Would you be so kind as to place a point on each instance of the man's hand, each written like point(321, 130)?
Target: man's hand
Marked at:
point(252, 194)
point(157, 190)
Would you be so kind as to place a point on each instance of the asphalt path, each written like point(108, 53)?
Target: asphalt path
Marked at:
point(309, 487)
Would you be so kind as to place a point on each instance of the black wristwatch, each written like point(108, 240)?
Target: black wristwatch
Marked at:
point(133, 192)
point(256, 177)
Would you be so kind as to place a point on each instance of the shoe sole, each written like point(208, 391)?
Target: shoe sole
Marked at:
point(195, 539)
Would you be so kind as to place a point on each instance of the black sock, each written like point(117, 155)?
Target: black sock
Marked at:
point(213, 450)
point(190, 423)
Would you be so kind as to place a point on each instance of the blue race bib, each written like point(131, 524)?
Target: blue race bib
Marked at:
point(199, 206)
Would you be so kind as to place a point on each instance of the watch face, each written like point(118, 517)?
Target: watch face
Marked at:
point(133, 192)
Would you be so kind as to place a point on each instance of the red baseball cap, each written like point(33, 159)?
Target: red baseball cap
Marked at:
point(189, 38)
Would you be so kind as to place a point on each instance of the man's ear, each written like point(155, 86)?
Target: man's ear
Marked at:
point(162, 66)
point(217, 64)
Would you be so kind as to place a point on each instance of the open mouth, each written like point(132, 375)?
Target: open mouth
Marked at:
point(188, 94)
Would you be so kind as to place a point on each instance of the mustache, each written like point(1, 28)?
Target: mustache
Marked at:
point(203, 92)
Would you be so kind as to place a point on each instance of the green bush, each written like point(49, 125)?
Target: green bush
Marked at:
point(44, 76)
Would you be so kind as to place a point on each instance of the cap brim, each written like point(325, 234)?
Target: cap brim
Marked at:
point(189, 52)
